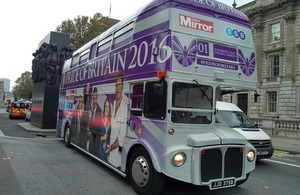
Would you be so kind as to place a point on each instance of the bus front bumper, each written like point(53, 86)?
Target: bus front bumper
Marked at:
point(217, 166)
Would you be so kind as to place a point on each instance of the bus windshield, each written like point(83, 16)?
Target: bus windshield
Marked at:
point(191, 103)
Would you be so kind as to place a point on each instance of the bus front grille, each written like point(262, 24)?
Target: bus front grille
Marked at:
point(218, 164)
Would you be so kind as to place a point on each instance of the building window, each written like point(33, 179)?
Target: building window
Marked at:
point(275, 32)
point(274, 65)
point(272, 101)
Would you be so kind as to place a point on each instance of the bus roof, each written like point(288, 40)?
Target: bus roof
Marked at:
point(219, 9)
point(191, 39)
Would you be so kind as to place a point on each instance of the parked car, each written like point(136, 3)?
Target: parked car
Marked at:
point(17, 110)
point(231, 115)
point(28, 113)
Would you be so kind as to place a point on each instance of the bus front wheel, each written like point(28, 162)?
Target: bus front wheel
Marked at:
point(142, 175)
point(67, 136)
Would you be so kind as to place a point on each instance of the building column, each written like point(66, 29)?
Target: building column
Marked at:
point(290, 41)
point(259, 39)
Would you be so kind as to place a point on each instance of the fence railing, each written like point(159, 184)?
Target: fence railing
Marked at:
point(287, 125)
point(280, 124)
point(280, 127)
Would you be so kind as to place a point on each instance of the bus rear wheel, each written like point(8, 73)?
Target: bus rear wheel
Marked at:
point(67, 136)
point(142, 175)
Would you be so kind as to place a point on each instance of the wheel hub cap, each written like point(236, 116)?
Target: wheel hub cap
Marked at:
point(140, 171)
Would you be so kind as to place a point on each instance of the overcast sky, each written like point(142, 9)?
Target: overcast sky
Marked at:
point(24, 23)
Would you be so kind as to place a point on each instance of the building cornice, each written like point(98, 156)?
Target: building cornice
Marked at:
point(275, 49)
point(253, 8)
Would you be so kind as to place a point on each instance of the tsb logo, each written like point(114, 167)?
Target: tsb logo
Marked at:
point(235, 33)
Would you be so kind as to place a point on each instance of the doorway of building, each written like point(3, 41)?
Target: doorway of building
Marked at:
point(243, 102)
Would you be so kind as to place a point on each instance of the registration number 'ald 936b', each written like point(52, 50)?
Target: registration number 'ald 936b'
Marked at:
point(222, 184)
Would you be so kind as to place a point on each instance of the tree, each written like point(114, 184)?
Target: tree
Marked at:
point(83, 29)
point(23, 86)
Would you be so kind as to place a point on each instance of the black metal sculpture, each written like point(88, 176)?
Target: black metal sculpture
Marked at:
point(48, 62)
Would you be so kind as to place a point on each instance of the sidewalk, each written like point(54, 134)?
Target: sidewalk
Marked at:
point(284, 144)
point(30, 127)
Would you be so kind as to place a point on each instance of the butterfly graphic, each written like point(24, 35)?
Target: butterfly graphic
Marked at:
point(247, 65)
point(184, 55)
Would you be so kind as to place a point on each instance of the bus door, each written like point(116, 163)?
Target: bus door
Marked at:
point(147, 110)
point(136, 108)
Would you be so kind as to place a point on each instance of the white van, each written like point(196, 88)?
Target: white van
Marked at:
point(231, 115)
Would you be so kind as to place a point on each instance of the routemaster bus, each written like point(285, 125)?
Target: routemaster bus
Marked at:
point(141, 97)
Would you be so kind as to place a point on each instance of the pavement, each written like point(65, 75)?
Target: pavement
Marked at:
point(279, 143)
point(29, 127)
point(285, 144)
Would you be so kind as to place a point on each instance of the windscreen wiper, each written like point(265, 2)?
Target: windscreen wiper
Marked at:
point(198, 85)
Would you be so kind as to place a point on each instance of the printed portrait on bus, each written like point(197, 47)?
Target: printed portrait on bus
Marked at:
point(96, 110)
point(95, 116)
point(77, 115)
point(87, 98)
point(118, 124)
point(85, 128)
point(105, 130)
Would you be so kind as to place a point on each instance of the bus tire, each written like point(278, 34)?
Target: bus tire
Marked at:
point(142, 175)
point(67, 136)
point(243, 181)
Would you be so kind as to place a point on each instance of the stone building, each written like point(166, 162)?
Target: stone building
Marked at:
point(1, 92)
point(276, 32)
point(6, 84)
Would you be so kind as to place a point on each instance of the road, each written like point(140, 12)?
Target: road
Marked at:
point(45, 166)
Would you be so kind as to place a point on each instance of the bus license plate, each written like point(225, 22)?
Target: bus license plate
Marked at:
point(263, 153)
point(222, 184)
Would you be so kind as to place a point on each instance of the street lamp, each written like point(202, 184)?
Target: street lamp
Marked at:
point(234, 4)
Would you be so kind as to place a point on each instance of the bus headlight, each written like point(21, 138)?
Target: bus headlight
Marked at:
point(251, 156)
point(179, 159)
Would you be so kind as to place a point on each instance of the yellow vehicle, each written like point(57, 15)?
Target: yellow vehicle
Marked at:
point(17, 109)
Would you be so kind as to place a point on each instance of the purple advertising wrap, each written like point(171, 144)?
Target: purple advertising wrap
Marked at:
point(152, 47)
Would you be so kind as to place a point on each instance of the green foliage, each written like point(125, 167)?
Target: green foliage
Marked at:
point(23, 86)
point(83, 29)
